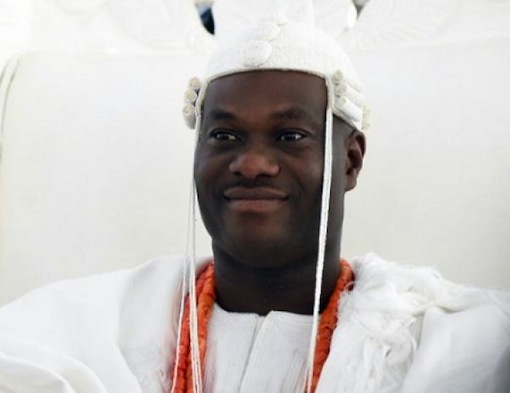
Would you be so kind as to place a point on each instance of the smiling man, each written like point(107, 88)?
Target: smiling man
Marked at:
point(259, 177)
point(281, 122)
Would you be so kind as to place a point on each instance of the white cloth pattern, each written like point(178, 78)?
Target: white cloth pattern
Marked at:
point(401, 329)
point(242, 347)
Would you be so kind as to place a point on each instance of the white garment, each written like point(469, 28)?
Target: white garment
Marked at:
point(242, 347)
point(401, 329)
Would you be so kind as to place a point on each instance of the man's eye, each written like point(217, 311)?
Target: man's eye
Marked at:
point(222, 135)
point(290, 136)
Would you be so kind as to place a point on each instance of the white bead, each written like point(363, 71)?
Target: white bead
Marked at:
point(337, 77)
point(190, 96)
point(194, 83)
point(255, 53)
point(347, 110)
point(189, 115)
point(340, 89)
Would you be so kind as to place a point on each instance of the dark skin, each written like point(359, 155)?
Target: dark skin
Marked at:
point(258, 171)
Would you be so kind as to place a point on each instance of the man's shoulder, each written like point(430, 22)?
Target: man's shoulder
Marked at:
point(73, 302)
point(419, 324)
point(106, 286)
point(421, 288)
point(97, 324)
point(371, 268)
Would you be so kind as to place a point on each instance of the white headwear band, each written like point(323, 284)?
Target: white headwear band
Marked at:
point(278, 44)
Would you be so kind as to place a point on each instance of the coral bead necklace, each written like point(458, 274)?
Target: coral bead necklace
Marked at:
point(205, 301)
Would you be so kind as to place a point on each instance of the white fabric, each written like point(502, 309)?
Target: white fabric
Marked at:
point(15, 26)
point(242, 347)
point(385, 23)
point(411, 23)
point(401, 329)
point(116, 26)
point(332, 16)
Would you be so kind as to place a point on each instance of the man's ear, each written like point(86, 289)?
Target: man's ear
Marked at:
point(355, 146)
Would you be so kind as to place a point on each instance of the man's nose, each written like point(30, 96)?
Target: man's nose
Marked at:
point(255, 161)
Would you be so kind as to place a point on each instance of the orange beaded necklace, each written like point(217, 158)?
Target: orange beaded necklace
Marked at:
point(205, 301)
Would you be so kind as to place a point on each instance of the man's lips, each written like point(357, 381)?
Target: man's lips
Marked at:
point(254, 199)
point(254, 193)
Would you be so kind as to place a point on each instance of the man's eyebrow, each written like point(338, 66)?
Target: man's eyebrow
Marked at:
point(296, 113)
point(293, 113)
point(220, 114)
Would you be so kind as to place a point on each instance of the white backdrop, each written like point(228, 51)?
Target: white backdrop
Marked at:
point(96, 161)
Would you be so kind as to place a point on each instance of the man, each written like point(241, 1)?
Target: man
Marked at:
point(280, 119)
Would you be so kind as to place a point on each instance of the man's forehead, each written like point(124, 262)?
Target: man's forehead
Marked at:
point(219, 113)
point(297, 92)
point(284, 77)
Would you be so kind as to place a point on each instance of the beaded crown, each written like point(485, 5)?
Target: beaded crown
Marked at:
point(276, 43)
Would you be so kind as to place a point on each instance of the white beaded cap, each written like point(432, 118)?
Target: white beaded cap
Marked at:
point(278, 44)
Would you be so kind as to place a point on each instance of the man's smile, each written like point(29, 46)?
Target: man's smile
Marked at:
point(255, 199)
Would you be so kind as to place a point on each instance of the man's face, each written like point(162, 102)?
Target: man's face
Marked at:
point(259, 165)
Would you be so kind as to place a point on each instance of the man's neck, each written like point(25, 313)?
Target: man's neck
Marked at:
point(242, 288)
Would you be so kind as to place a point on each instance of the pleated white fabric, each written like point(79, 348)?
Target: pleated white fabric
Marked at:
point(401, 329)
point(251, 353)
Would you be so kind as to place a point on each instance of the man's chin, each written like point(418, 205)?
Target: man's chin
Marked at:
point(264, 250)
